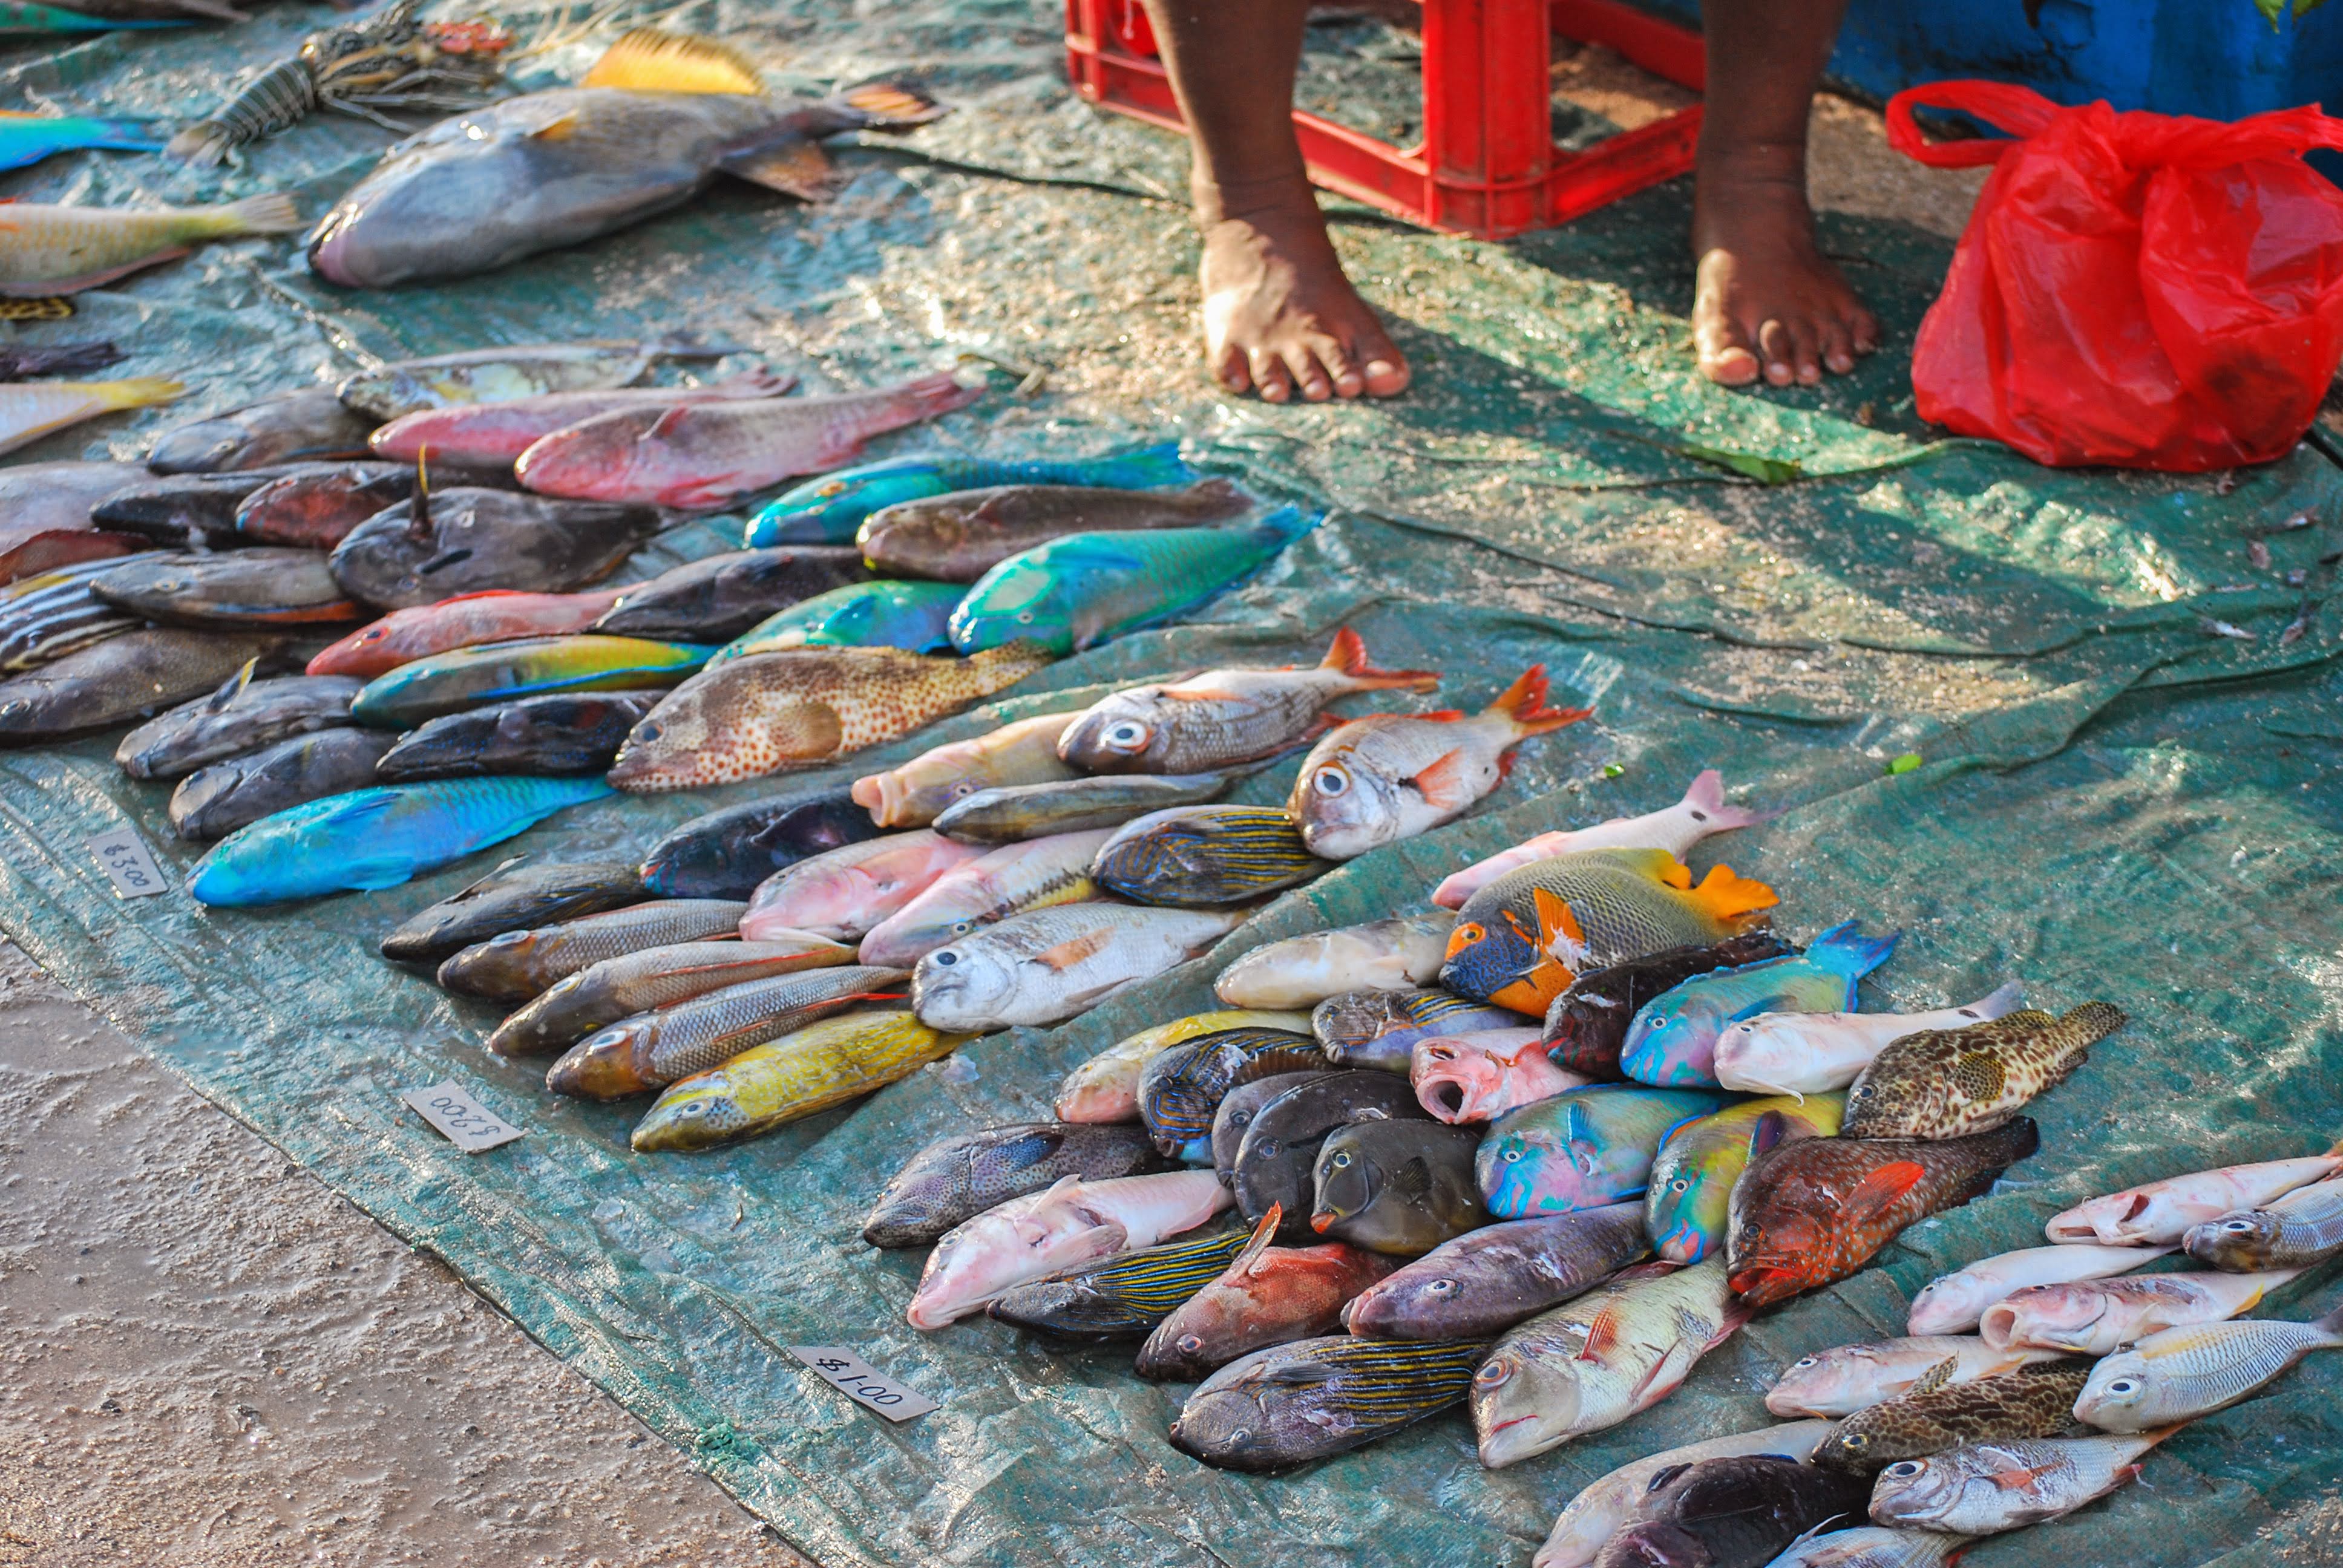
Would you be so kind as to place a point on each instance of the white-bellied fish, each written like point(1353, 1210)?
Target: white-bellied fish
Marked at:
point(1676, 829)
point(2099, 1317)
point(1034, 874)
point(1399, 953)
point(1985, 1487)
point(1047, 965)
point(2181, 1373)
point(1845, 1379)
point(1815, 1052)
point(2157, 1212)
point(1955, 1303)
point(845, 892)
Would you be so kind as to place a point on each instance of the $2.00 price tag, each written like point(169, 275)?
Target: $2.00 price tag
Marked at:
point(860, 1382)
point(468, 1124)
point(129, 864)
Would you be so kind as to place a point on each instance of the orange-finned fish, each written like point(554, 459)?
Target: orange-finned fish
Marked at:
point(1391, 776)
point(495, 615)
point(1520, 941)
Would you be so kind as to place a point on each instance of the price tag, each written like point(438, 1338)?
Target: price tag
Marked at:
point(128, 864)
point(469, 1125)
point(862, 1384)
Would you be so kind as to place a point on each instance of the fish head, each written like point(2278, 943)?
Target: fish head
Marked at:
point(1655, 1543)
point(1343, 806)
point(1951, 1303)
point(1345, 1179)
point(1774, 1252)
point(1673, 1041)
point(1121, 733)
point(1019, 599)
point(611, 457)
point(1521, 1401)
point(1233, 1427)
point(1756, 1056)
point(206, 446)
point(1487, 956)
point(1685, 1208)
point(608, 1064)
point(1075, 1307)
point(1853, 1446)
point(1457, 1080)
point(1832, 1382)
point(1915, 1492)
point(2123, 1394)
point(1532, 1169)
point(2235, 1243)
point(1203, 1333)
point(2118, 1219)
point(694, 1114)
point(1412, 1302)
point(827, 510)
point(2049, 1317)
point(677, 745)
point(962, 985)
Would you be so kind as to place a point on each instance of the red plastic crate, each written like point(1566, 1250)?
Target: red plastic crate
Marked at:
point(1487, 165)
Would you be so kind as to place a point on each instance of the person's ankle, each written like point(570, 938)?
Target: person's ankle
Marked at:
point(1266, 198)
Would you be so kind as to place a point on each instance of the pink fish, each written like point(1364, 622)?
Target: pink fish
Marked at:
point(1676, 829)
point(495, 615)
point(701, 457)
point(842, 893)
point(1072, 1223)
point(2161, 1212)
point(495, 434)
point(1266, 1296)
point(1480, 1076)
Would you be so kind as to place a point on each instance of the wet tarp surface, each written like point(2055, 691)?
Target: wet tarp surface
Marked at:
point(2127, 783)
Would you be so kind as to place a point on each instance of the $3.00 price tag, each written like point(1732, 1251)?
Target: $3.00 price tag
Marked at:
point(468, 1124)
point(860, 1382)
point(129, 864)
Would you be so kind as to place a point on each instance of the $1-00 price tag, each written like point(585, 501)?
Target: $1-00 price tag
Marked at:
point(128, 864)
point(468, 1124)
point(862, 1384)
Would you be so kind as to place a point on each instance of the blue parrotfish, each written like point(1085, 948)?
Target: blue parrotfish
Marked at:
point(1582, 1149)
point(1673, 1040)
point(915, 616)
point(828, 510)
point(27, 139)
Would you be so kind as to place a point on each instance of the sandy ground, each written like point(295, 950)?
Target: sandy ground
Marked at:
point(210, 1359)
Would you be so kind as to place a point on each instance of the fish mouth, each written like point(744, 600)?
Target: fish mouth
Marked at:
point(1762, 1284)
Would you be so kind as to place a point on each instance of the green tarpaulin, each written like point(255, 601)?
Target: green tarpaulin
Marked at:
point(2128, 787)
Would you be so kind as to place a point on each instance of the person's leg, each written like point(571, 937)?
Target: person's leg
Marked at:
point(1767, 301)
point(1279, 315)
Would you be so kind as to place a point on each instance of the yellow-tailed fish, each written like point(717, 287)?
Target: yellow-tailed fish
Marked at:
point(47, 250)
point(32, 409)
point(1106, 1087)
point(782, 1080)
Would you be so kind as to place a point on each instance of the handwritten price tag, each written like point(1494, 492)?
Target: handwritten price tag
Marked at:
point(860, 1382)
point(128, 864)
point(468, 1124)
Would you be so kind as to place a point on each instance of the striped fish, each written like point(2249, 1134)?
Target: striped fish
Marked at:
point(1379, 1029)
point(1180, 1088)
point(1127, 1295)
point(1197, 855)
point(1294, 1404)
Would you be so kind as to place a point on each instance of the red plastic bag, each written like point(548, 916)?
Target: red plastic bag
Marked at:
point(2145, 290)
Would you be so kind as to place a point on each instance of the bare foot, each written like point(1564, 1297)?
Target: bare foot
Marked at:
point(1767, 300)
point(1280, 318)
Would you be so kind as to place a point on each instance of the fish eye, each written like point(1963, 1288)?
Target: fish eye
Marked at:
point(2239, 1227)
point(946, 958)
point(1859, 1441)
point(1240, 1437)
point(1330, 781)
point(647, 731)
point(2123, 1387)
point(1510, 1155)
point(1470, 933)
point(1804, 1361)
point(1659, 1020)
point(1189, 1345)
point(1681, 1184)
point(1903, 1469)
point(963, 789)
point(1493, 1370)
point(962, 928)
point(1342, 1160)
point(1024, 618)
point(1440, 1287)
point(1126, 734)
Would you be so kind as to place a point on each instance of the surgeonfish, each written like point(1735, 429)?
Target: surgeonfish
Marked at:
point(960, 1177)
point(242, 716)
point(1484, 1282)
point(724, 596)
point(1521, 941)
point(1277, 1159)
point(503, 672)
point(1267, 1295)
point(1480, 1076)
point(1400, 1187)
point(830, 509)
point(1105, 1088)
point(810, 1068)
point(1674, 1039)
point(1083, 589)
point(1845, 1379)
point(1193, 857)
point(32, 409)
point(652, 1049)
point(403, 635)
point(1402, 952)
point(1590, 1518)
point(1043, 966)
point(731, 852)
point(1582, 1149)
point(961, 535)
point(1684, 1207)
point(1935, 1413)
point(468, 539)
point(375, 838)
point(2158, 1212)
point(1815, 1052)
point(650, 126)
point(1123, 1297)
point(1985, 1487)
point(1224, 717)
point(1391, 776)
point(218, 798)
point(617, 988)
point(913, 617)
point(1942, 1083)
point(518, 964)
point(1676, 829)
point(518, 896)
point(49, 250)
point(912, 794)
point(2099, 1317)
point(1955, 1303)
point(974, 894)
point(2178, 1375)
point(845, 892)
point(1289, 1404)
point(1586, 1026)
point(1070, 1223)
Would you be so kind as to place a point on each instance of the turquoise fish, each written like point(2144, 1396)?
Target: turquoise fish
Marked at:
point(1582, 1149)
point(1673, 1041)
point(502, 672)
point(375, 837)
point(1081, 589)
point(18, 20)
point(828, 510)
point(912, 616)
point(29, 138)
point(1684, 1212)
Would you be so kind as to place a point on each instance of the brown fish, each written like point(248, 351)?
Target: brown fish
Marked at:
point(513, 966)
point(44, 520)
point(1943, 1083)
point(1815, 1211)
point(1936, 1413)
point(125, 677)
point(235, 587)
point(308, 425)
point(772, 712)
point(1266, 1296)
point(315, 507)
point(958, 537)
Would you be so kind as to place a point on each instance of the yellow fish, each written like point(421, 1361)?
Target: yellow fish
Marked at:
point(46, 250)
point(31, 409)
point(785, 1079)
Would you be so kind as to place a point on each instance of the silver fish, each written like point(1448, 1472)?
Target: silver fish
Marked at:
point(1046, 965)
point(2182, 1373)
point(242, 716)
point(1988, 1487)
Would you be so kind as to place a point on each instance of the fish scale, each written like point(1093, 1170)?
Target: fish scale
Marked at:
point(2185, 1373)
point(1181, 1088)
point(1942, 1083)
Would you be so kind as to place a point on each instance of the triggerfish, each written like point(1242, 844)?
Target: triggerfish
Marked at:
point(1582, 1149)
point(1083, 589)
point(1676, 829)
point(1391, 775)
point(830, 509)
point(375, 837)
point(1674, 1039)
point(1693, 1174)
point(1521, 941)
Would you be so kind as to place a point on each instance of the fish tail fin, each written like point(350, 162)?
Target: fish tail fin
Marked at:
point(647, 60)
point(202, 143)
point(2094, 1021)
point(885, 104)
point(1348, 657)
point(117, 131)
point(1290, 523)
point(136, 392)
point(1731, 900)
point(1706, 799)
point(271, 214)
point(1144, 468)
point(1845, 950)
point(936, 394)
point(2004, 1000)
point(1523, 702)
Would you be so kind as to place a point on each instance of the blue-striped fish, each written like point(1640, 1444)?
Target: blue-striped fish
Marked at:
point(1379, 1029)
point(1125, 1296)
point(1181, 1088)
point(1200, 855)
point(1294, 1404)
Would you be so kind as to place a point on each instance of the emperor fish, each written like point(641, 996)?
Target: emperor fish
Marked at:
point(1955, 1303)
point(1676, 829)
point(2099, 1317)
point(1674, 1039)
point(914, 794)
point(809, 1069)
point(2182, 1373)
point(1391, 775)
point(2163, 1212)
point(517, 964)
point(495, 434)
point(1398, 953)
point(509, 372)
point(1944, 1083)
point(1038, 874)
point(1046, 965)
point(1006, 812)
point(516, 896)
point(1814, 1052)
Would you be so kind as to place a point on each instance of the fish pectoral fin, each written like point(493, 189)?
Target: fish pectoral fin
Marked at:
point(1065, 955)
point(1443, 783)
point(1769, 1130)
point(1602, 1334)
point(2017, 1479)
point(1557, 924)
point(1296, 1374)
point(560, 129)
point(796, 167)
point(1412, 1180)
point(1663, 1378)
point(1877, 1192)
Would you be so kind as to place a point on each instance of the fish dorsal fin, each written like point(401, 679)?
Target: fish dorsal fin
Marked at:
point(1877, 1192)
point(1295, 1374)
point(2017, 1478)
point(1934, 1378)
point(418, 510)
point(647, 60)
point(796, 167)
point(1065, 955)
point(232, 688)
point(1602, 1333)
point(1248, 1261)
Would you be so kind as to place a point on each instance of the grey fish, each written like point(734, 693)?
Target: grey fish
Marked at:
point(314, 505)
point(1738, 1512)
point(960, 537)
point(1287, 1405)
point(504, 374)
point(1379, 1029)
point(215, 800)
point(469, 540)
point(726, 853)
point(958, 1178)
point(556, 168)
point(1399, 1188)
point(307, 426)
point(45, 515)
point(181, 510)
point(257, 587)
point(126, 678)
point(2297, 1230)
point(242, 716)
point(515, 897)
point(1277, 1156)
point(1014, 812)
point(516, 965)
point(1237, 1110)
point(652, 1049)
point(618, 989)
point(717, 598)
point(560, 733)
point(1486, 1281)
